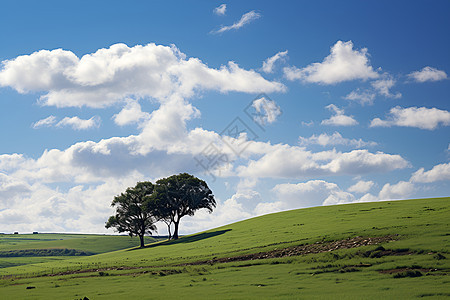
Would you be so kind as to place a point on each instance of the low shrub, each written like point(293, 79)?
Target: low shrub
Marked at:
point(409, 273)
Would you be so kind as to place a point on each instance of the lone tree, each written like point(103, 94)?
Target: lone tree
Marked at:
point(131, 213)
point(181, 195)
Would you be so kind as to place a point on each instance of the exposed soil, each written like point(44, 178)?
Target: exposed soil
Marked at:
point(317, 247)
point(400, 270)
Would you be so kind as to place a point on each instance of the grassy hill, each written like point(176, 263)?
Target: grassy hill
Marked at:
point(394, 249)
point(23, 249)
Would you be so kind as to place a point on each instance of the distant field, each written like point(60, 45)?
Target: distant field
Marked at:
point(22, 249)
point(392, 250)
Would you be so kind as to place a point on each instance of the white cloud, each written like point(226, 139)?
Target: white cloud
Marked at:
point(11, 161)
point(283, 161)
point(80, 209)
point(119, 72)
point(361, 187)
point(231, 210)
point(336, 138)
point(79, 124)
point(47, 122)
point(75, 122)
point(362, 161)
point(383, 86)
point(163, 147)
point(269, 63)
point(400, 190)
point(439, 172)
point(363, 97)
point(220, 10)
point(311, 193)
point(245, 19)
point(339, 119)
point(419, 117)
point(130, 114)
point(10, 189)
point(343, 64)
point(307, 124)
point(428, 74)
point(269, 207)
point(267, 111)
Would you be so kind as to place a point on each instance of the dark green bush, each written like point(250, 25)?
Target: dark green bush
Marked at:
point(409, 273)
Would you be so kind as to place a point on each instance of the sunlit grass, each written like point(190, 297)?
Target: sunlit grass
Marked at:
point(165, 270)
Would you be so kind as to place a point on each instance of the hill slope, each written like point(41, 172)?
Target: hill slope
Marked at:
point(23, 249)
point(395, 249)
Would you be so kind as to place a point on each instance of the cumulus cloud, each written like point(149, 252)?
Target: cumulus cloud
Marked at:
point(79, 124)
point(383, 86)
point(11, 161)
point(339, 118)
point(269, 63)
point(10, 189)
point(79, 209)
point(47, 122)
point(439, 172)
point(361, 187)
point(428, 74)
point(343, 64)
point(362, 97)
point(334, 139)
point(267, 111)
point(113, 74)
point(234, 209)
point(130, 114)
point(311, 193)
point(284, 161)
point(245, 19)
point(418, 117)
point(163, 147)
point(400, 190)
point(220, 10)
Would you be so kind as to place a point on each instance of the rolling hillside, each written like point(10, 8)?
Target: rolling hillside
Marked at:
point(23, 249)
point(392, 249)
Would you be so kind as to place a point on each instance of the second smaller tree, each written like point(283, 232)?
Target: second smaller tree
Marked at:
point(132, 215)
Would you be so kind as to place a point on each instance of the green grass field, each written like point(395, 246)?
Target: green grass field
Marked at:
point(393, 250)
point(88, 243)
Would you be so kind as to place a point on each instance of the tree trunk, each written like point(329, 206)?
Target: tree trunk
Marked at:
point(168, 229)
point(141, 237)
point(175, 231)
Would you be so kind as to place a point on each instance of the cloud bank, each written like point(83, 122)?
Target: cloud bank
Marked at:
point(418, 117)
point(120, 72)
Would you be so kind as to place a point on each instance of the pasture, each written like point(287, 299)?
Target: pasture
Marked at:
point(389, 249)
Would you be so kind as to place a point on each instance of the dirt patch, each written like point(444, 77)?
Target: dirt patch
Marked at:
point(401, 270)
point(317, 247)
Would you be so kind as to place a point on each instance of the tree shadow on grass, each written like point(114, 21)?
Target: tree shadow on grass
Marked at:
point(186, 239)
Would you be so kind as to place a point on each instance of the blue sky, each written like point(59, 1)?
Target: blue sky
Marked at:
point(276, 105)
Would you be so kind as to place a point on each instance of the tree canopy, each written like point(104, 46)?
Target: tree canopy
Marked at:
point(181, 195)
point(132, 215)
point(168, 201)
